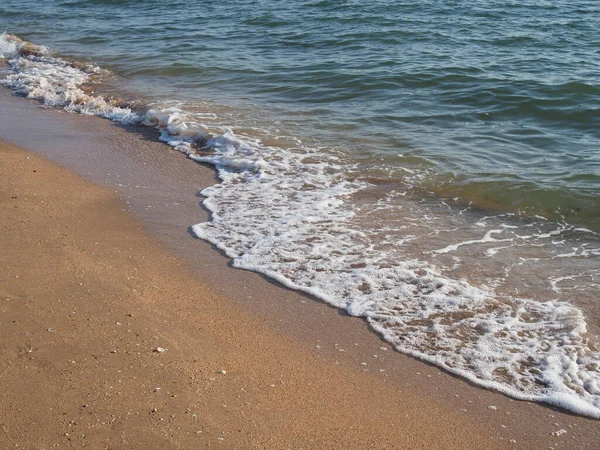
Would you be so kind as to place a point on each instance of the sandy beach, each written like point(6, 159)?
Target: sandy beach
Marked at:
point(120, 330)
point(109, 342)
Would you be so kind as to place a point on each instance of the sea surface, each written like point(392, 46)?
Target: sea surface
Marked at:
point(431, 166)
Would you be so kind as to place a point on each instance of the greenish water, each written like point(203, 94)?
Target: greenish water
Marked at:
point(499, 100)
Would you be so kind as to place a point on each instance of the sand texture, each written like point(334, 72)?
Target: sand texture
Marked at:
point(87, 303)
point(336, 384)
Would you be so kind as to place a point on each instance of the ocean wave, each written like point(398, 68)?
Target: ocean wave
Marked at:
point(289, 213)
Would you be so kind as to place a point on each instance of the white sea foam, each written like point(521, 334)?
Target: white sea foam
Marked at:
point(289, 213)
point(56, 82)
point(9, 46)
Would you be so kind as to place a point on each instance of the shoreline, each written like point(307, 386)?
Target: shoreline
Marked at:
point(130, 160)
point(124, 347)
point(508, 317)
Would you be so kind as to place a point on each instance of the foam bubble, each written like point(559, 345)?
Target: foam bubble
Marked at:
point(9, 46)
point(56, 82)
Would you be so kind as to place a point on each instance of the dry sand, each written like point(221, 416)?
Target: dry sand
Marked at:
point(87, 298)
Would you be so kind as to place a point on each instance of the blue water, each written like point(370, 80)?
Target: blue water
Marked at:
point(499, 100)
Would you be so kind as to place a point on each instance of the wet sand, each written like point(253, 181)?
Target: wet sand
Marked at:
point(108, 341)
point(298, 374)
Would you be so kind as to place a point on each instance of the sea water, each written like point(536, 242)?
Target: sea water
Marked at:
point(431, 166)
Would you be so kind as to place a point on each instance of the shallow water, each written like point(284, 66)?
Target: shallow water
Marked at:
point(501, 97)
point(433, 168)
